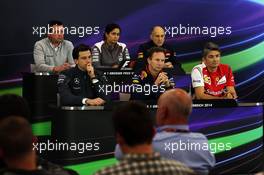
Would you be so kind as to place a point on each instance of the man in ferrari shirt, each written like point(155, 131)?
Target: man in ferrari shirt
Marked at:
point(211, 79)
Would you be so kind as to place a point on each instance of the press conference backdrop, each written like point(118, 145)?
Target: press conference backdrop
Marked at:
point(237, 26)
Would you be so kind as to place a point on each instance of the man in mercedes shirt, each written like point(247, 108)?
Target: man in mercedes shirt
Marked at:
point(81, 85)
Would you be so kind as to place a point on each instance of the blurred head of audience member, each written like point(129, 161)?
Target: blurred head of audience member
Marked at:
point(174, 107)
point(12, 104)
point(16, 146)
point(130, 121)
point(134, 129)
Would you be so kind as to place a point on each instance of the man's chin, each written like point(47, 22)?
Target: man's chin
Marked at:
point(215, 66)
point(60, 40)
point(158, 70)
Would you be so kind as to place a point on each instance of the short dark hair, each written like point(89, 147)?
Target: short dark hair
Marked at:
point(12, 104)
point(210, 46)
point(134, 123)
point(110, 27)
point(15, 136)
point(152, 50)
point(55, 22)
point(80, 48)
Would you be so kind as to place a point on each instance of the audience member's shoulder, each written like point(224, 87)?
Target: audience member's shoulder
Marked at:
point(177, 166)
point(198, 135)
point(174, 135)
point(110, 169)
point(163, 135)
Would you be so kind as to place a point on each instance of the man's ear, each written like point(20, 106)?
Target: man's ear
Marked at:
point(75, 61)
point(163, 112)
point(150, 36)
point(154, 131)
point(119, 139)
point(148, 60)
point(161, 115)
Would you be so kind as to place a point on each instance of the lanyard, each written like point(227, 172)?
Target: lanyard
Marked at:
point(175, 130)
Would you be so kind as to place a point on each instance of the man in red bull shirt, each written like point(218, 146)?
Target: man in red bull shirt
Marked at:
point(152, 81)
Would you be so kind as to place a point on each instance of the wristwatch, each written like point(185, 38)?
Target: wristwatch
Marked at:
point(94, 80)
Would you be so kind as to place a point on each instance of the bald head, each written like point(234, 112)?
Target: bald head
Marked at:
point(158, 35)
point(174, 107)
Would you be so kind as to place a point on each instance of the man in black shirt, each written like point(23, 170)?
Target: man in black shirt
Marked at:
point(158, 40)
point(14, 105)
point(81, 85)
point(18, 152)
point(150, 82)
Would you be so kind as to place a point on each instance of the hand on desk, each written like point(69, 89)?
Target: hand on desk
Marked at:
point(230, 95)
point(94, 102)
point(60, 68)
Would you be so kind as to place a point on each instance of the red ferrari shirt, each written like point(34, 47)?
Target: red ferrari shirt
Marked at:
point(214, 83)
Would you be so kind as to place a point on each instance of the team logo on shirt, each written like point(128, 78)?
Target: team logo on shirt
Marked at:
point(140, 55)
point(207, 79)
point(143, 75)
point(61, 78)
point(135, 79)
point(222, 80)
point(76, 80)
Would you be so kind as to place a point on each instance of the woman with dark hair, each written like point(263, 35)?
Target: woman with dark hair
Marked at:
point(110, 53)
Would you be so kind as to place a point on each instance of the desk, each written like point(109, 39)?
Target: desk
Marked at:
point(242, 126)
point(40, 89)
